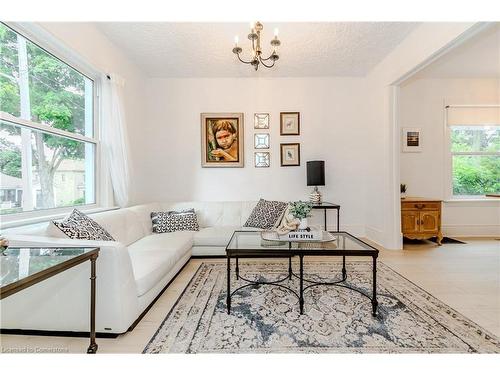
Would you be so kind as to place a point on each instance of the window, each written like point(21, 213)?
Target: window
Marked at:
point(47, 143)
point(475, 153)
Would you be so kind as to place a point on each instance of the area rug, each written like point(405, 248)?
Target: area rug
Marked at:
point(266, 319)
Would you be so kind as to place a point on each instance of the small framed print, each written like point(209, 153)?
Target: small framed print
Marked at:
point(261, 140)
point(261, 121)
point(412, 140)
point(290, 123)
point(262, 160)
point(290, 154)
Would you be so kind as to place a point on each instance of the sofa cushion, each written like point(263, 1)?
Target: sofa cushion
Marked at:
point(217, 236)
point(153, 256)
point(174, 221)
point(143, 214)
point(211, 214)
point(266, 214)
point(122, 224)
point(81, 227)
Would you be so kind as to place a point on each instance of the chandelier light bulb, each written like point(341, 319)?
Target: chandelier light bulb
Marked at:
point(276, 32)
point(236, 40)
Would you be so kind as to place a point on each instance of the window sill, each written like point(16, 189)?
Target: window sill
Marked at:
point(473, 202)
point(17, 221)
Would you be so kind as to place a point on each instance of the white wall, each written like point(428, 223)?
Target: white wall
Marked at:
point(332, 129)
point(383, 223)
point(422, 104)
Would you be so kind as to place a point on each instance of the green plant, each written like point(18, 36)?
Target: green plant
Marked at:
point(300, 209)
point(403, 188)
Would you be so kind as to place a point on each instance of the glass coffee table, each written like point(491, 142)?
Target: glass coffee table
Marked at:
point(246, 244)
point(23, 267)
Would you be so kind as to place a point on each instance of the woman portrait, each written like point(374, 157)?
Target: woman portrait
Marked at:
point(222, 139)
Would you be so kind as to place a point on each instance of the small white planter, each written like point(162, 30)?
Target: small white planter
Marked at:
point(303, 224)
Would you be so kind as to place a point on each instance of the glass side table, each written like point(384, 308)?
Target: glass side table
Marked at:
point(23, 267)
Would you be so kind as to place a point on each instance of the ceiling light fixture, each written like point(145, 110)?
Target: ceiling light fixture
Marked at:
point(257, 58)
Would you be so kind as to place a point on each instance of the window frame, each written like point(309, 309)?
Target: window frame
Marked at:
point(47, 42)
point(448, 155)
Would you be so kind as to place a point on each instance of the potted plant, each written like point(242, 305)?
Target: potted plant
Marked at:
point(403, 191)
point(301, 210)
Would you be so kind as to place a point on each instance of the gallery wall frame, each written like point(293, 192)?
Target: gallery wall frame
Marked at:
point(290, 154)
point(222, 140)
point(261, 121)
point(289, 123)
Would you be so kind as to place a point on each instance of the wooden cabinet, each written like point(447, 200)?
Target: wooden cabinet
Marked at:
point(421, 218)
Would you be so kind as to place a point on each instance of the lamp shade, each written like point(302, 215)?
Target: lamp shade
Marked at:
point(316, 173)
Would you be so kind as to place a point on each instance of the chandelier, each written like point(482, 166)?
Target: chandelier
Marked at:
point(257, 58)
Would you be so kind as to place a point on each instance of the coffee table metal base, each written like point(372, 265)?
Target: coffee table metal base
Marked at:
point(300, 296)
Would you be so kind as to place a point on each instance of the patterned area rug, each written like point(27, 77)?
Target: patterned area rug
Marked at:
point(335, 320)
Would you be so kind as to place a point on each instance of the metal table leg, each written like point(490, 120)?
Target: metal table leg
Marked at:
point(324, 211)
point(301, 298)
point(237, 269)
point(344, 271)
point(338, 219)
point(374, 282)
point(228, 299)
point(290, 268)
point(92, 349)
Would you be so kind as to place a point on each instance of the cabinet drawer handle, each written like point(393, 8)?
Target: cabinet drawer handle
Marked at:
point(420, 206)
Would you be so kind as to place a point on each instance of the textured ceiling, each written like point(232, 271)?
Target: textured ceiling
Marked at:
point(204, 49)
point(478, 57)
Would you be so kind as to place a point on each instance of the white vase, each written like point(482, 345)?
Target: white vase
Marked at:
point(303, 224)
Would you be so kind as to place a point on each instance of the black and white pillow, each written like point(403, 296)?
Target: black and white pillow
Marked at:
point(174, 221)
point(81, 227)
point(266, 214)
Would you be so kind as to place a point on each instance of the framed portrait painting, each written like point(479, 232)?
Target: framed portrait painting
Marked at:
point(222, 139)
point(290, 154)
point(290, 123)
point(412, 140)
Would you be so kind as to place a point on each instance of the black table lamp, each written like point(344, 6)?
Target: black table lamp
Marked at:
point(315, 177)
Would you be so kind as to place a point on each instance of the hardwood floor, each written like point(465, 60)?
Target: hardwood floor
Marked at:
point(465, 276)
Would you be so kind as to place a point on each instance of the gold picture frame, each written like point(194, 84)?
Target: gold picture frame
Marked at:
point(222, 140)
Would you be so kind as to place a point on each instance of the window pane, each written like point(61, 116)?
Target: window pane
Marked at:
point(9, 72)
point(475, 138)
point(476, 175)
point(37, 86)
point(61, 170)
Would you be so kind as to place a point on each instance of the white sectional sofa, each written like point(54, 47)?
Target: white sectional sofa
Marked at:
point(131, 271)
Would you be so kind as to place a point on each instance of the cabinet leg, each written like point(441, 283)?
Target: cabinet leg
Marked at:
point(439, 238)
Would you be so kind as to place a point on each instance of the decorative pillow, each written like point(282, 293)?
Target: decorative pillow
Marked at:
point(174, 221)
point(81, 227)
point(266, 214)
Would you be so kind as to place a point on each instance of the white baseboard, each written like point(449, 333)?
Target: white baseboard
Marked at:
point(375, 235)
point(471, 230)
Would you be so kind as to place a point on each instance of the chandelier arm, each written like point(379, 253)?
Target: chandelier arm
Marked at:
point(263, 59)
point(267, 66)
point(243, 61)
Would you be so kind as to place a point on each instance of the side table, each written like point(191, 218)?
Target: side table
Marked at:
point(27, 266)
point(329, 206)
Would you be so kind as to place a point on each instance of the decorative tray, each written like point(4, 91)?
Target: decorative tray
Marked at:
point(298, 236)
